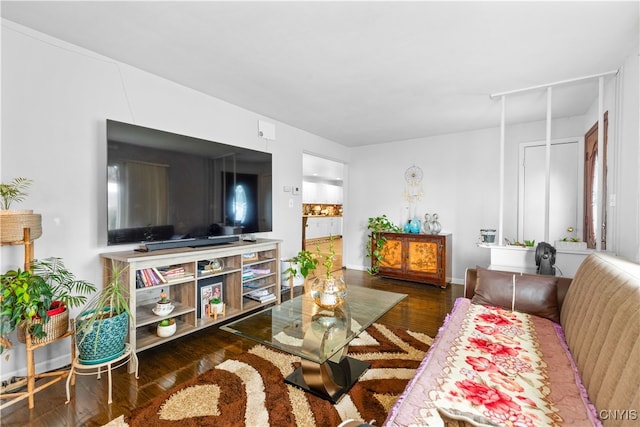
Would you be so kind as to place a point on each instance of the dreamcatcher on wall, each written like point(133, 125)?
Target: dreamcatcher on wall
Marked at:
point(413, 189)
point(413, 192)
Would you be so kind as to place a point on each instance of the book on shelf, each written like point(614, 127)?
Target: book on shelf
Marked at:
point(147, 277)
point(260, 293)
point(262, 298)
point(173, 273)
point(258, 271)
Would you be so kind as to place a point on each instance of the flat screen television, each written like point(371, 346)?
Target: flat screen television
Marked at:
point(168, 188)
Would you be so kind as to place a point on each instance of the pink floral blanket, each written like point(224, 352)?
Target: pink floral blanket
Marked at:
point(495, 370)
point(492, 367)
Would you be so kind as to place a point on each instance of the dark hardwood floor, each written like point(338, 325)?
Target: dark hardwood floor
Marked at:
point(168, 365)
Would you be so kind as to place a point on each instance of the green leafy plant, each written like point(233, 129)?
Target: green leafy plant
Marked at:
point(306, 261)
point(25, 297)
point(215, 301)
point(167, 322)
point(302, 263)
point(111, 301)
point(529, 243)
point(570, 239)
point(63, 283)
point(14, 191)
point(328, 258)
point(375, 240)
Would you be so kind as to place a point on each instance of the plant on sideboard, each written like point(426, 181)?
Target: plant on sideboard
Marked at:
point(375, 240)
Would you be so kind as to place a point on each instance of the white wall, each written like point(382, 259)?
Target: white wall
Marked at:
point(624, 177)
point(55, 100)
point(461, 184)
point(621, 100)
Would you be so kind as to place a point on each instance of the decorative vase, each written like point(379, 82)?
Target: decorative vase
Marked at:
point(415, 226)
point(435, 225)
point(407, 227)
point(427, 223)
point(431, 224)
point(328, 292)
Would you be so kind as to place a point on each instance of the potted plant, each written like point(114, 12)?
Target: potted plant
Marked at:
point(328, 291)
point(25, 299)
point(65, 287)
point(67, 292)
point(102, 326)
point(217, 306)
point(166, 327)
point(303, 263)
point(14, 191)
point(15, 222)
point(164, 305)
point(375, 239)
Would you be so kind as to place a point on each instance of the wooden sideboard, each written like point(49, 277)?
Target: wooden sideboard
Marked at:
point(424, 258)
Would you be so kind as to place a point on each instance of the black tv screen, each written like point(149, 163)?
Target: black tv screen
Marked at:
point(162, 186)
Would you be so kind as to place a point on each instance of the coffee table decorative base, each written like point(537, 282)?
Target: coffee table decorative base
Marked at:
point(319, 336)
point(328, 380)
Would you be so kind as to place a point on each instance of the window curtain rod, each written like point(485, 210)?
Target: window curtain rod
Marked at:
point(561, 82)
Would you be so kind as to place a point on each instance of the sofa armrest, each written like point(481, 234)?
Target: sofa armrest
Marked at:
point(471, 280)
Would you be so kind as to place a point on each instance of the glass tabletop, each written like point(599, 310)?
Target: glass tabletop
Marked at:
point(302, 328)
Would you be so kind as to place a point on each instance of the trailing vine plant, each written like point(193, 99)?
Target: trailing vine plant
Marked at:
point(376, 226)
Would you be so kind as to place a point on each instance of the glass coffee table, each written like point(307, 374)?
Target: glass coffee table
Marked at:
point(320, 337)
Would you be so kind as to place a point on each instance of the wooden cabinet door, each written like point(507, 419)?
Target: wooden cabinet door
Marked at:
point(392, 253)
point(422, 256)
point(424, 259)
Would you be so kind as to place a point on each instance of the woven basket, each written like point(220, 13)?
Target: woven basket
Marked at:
point(57, 326)
point(13, 223)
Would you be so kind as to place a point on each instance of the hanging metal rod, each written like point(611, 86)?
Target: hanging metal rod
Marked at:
point(561, 82)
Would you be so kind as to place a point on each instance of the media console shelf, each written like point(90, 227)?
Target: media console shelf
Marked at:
point(246, 274)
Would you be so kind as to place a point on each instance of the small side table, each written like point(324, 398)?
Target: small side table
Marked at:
point(78, 368)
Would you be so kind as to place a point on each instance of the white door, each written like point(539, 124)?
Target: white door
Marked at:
point(565, 193)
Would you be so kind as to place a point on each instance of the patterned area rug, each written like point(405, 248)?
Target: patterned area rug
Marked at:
point(249, 390)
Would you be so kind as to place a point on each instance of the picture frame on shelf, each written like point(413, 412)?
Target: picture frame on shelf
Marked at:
point(207, 292)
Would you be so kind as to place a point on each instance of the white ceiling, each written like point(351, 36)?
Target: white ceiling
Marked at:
point(358, 72)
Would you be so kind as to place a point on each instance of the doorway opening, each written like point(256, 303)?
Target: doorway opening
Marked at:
point(592, 163)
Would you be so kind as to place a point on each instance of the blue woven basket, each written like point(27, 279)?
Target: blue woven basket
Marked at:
point(111, 340)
